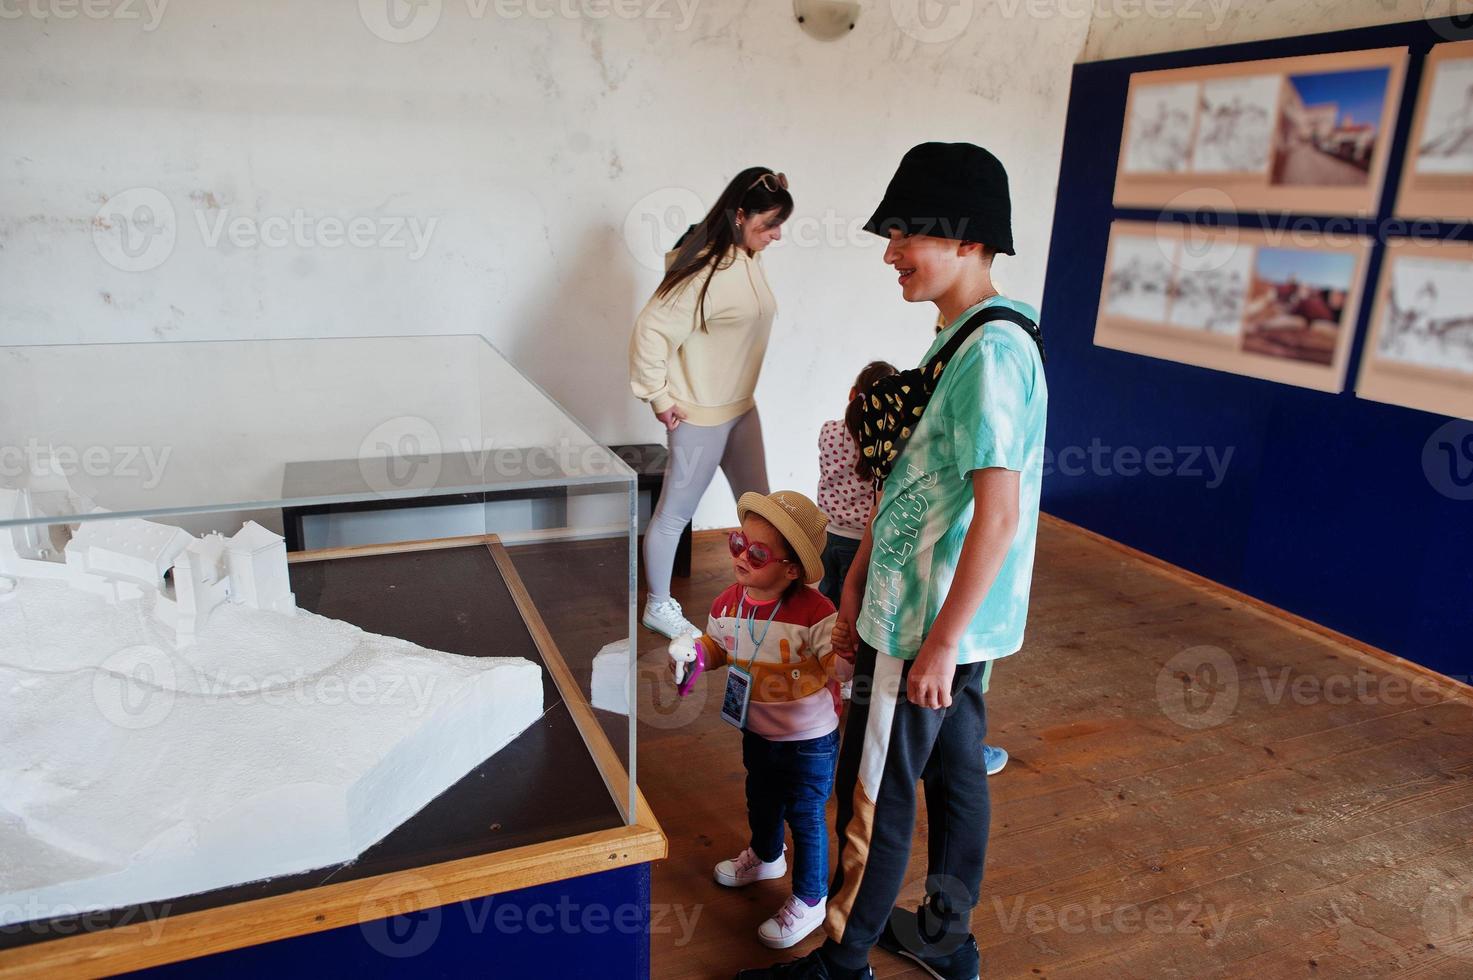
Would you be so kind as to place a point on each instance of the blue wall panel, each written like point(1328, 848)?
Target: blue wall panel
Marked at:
point(1324, 507)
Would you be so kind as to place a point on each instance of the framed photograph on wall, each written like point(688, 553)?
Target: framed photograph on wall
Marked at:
point(1307, 135)
point(1420, 350)
point(1233, 299)
point(1437, 176)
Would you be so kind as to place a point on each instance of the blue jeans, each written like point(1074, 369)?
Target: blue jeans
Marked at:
point(838, 555)
point(792, 781)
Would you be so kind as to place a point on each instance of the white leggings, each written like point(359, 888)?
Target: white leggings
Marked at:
point(695, 452)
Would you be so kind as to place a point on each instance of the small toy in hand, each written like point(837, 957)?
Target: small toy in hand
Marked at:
point(686, 661)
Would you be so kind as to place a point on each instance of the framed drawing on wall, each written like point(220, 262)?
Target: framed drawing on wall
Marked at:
point(1437, 177)
point(1308, 135)
point(1233, 299)
point(1420, 350)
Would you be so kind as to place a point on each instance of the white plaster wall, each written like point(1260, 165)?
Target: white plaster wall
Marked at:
point(1126, 28)
point(538, 153)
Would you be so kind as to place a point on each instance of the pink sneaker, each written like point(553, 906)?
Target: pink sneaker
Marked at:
point(795, 920)
point(747, 867)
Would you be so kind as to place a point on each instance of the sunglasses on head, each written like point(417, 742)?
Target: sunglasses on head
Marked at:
point(772, 182)
point(758, 554)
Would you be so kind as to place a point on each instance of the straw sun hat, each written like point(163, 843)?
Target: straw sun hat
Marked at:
point(798, 520)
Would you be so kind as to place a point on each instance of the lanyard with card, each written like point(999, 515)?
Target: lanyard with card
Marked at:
point(738, 676)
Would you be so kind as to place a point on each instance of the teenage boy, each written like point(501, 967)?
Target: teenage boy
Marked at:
point(939, 586)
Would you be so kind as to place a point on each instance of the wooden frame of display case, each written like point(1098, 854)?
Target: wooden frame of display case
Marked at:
point(315, 909)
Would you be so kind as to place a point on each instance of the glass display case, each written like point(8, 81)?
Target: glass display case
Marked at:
point(333, 625)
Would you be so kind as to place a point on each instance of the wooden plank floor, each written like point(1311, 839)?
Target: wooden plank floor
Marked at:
point(1316, 820)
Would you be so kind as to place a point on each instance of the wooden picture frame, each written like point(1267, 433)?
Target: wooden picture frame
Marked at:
point(1437, 173)
point(1233, 299)
point(1241, 137)
point(1419, 352)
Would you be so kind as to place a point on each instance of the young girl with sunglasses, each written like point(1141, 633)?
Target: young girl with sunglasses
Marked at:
point(775, 633)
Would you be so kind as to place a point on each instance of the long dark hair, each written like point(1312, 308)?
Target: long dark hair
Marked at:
point(704, 245)
point(872, 372)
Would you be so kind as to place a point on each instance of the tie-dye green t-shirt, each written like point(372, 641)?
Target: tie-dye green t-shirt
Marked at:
point(988, 411)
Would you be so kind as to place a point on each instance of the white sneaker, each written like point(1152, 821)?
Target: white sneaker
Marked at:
point(795, 920)
point(747, 867)
point(665, 616)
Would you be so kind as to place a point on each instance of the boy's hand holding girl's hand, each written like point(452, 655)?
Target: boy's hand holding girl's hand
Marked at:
point(843, 640)
point(846, 637)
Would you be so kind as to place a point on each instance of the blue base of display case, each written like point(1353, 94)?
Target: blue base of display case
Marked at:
point(594, 926)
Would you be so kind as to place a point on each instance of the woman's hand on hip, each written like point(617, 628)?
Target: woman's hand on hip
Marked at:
point(672, 417)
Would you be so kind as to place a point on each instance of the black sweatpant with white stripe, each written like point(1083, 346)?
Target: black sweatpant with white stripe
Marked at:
point(890, 745)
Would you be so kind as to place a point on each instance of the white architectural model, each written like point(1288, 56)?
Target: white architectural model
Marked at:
point(26, 550)
point(249, 569)
point(118, 559)
point(184, 727)
point(121, 559)
point(257, 563)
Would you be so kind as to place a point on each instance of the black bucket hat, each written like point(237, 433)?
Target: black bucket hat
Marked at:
point(948, 190)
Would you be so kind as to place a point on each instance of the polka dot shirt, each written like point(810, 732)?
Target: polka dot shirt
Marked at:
point(848, 500)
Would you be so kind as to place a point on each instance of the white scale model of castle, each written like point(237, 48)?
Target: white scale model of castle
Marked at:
point(120, 559)
point(172, 723)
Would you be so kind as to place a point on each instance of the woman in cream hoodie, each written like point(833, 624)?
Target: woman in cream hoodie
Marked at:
point(695, 355)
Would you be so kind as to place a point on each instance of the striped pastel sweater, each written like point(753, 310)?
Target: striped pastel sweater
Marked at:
point(795, 673)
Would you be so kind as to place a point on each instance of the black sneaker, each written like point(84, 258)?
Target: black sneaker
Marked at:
point(944, 955)
point(810, 967)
